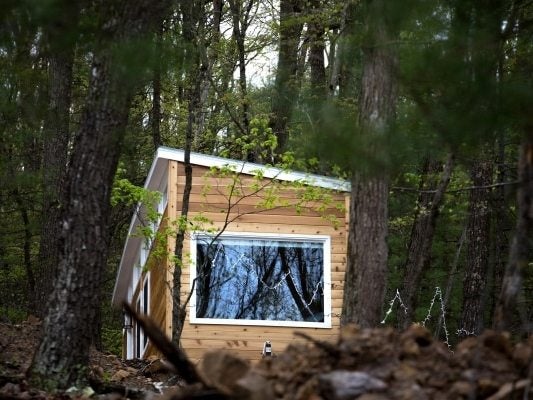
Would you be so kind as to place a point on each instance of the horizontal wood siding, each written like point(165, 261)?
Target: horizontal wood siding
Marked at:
point(158, 289)
point(211, 200)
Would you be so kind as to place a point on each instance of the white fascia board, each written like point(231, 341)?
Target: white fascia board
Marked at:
point(249, 168)
point(133, 243)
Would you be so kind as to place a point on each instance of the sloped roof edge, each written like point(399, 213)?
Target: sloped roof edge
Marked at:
point(249, 168)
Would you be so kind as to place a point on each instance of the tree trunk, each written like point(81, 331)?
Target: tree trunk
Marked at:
point(285, 87)
point(316, 54)
point(478, 240)
point(502, 223)
point(519, 252)
point(30, 276)
point(419, 251)
point(63, 354)
point(449, 285)
point(155, 117)
point(210, 57)
point(240, 21)
point(317, 49)
point(56, 139)
point(348, 65)
point(366, 270)
point(179, 308)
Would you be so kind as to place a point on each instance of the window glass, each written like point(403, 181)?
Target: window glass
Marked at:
point(145, 308)
point(138, 333)
point(262, 279)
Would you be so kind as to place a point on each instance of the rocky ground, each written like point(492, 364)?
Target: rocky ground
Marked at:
point(108, 373)
point(363, 364)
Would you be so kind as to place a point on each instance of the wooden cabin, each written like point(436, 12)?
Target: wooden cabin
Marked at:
point(265, 248)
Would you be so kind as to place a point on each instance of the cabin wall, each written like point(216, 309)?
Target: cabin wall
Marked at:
point(158, 268)
point(210, 198)
point(156, 275)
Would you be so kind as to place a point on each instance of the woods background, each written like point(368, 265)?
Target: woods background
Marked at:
point(425, 106)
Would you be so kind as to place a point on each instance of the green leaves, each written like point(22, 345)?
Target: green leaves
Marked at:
point(125, 192)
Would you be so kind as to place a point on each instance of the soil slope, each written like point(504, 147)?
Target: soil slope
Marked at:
point(374, 364)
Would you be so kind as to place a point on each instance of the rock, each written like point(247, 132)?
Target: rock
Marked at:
point(466, 346)
point(486, 386)
point(523, 354)
point(222, 369)
point(372, 396)
point(497, 341)
point(253, 386)
point(109, 396)
point(345, 385)
point(507, 389)
point(98, 371)
point(413, 339)
point(420, 334)
point(156, 366)
point(462, 389)
point(411, 392)
point(279, 389)
point(405, 372)
point(33, 320)
point(10, 390)
point(120, 375)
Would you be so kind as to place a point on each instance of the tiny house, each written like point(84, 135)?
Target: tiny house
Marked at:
point(264, 255)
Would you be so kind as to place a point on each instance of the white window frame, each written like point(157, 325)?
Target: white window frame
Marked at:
point(130, 349)
point(137, 272)
point(138, 334)
point(145, 305)
point(162, 205)
point(326, 241)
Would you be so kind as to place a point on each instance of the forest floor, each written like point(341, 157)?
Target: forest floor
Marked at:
point(374, 364)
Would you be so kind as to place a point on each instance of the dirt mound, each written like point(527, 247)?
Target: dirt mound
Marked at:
point(365, 364)
point(384, 364)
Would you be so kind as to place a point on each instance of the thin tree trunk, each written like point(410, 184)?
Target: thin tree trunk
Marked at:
point(211, 56)
point(348, 64)
point(422, 233)
point(519, 251)
point(285, 86)
point(317, 49)
point(366, 270)
point(316, 54)
point(333, 63)
point(240, 20)
point(478, 240)
point(502, 225)
point(155, 120)
point(449, 283)
point(179, 310)
point(63, 354)
point(30, 277)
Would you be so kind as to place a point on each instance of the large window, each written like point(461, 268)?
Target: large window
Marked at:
point(252, 279)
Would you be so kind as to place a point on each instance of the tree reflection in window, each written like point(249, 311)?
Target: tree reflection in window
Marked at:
point(260, 279)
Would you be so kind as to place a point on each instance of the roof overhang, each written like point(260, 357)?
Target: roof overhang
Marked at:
point(158, 172)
